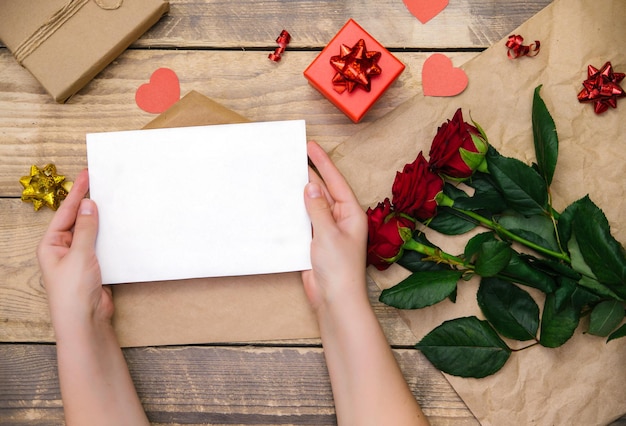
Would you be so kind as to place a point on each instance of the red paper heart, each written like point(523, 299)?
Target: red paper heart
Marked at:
point(425, 10)
point(440, 78)
point(160, 93)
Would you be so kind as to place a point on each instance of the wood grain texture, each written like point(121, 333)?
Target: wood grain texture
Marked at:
point(218, 48)
point(216, 385)
point(242, 24)
point(245, 24)
point(36, 130)
point(23, 304)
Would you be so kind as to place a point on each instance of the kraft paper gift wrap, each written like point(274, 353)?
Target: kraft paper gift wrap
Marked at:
point(204, 310)
point(65, 43)
point(584, 381)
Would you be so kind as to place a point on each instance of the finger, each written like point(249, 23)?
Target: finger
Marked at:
point(86, 227)
point(335, 182)
point(65, 216)
point(318, 207)
point(314, 177)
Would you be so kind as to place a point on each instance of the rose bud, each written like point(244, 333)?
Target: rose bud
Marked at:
point(415, 188)
point(458, 149)
point(387, 232)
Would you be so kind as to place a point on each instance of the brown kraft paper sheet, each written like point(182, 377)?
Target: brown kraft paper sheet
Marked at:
point(208, 310)
point(582, 382)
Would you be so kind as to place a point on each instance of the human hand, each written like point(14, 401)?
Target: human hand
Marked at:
point(338, 249)
point(95, 383)
point(67, 258)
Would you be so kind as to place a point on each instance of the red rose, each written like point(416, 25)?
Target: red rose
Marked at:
point(458, 149)
point(415, 188)
point(387, 232)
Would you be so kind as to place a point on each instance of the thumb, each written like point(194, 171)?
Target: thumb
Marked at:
point(317, 206)
point(86, 227)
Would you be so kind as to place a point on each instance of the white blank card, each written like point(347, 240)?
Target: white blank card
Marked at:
point(200, 201)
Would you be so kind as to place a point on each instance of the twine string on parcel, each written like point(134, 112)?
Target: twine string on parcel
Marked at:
point(54, 22)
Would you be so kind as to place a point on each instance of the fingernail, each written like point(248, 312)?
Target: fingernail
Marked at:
point(86, 207)
point(313, 190)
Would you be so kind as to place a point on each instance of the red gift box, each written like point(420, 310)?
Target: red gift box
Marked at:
point(356, 103)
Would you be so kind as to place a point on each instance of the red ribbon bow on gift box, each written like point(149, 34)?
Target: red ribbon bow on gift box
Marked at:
point(602, 88)
point(355, 66)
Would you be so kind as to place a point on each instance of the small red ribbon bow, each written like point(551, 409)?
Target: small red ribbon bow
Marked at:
point(602, 88)
point(355, 66)
point(517, 48)
point(283, 40)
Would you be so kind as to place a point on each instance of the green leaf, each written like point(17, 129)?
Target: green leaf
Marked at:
point(564, 293)
point(569, 292)
point(523, 188)
point(554, 268)
point(582, 298)
point(598, 288)
point(452, 296)
point(492, 258)
point(605, 317)
point(451, 222)
point(538, 229)
point(521, 271)
point(421, 289)
point(600, 251)
point(465, 347)
point(511, 310)
point(588, 278)
point(545, 137)
point(486, 196)
point(557, 325)
point(564, 225)
point(620, 332)
point(413, 261)
point(454, 192)
point(475, 243)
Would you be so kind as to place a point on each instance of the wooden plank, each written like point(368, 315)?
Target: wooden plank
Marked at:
point(23, 303)
point(36, 130)
point(312, 23)
point(216, 385)
point(227, 24)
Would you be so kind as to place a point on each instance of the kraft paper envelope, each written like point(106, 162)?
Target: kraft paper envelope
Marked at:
point(205, 310)
point(584, 381)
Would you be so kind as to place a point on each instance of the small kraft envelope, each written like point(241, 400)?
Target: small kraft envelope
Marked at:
point(218, 309)
point(205, 201)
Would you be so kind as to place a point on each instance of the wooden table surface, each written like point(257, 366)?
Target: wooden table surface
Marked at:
point(218, 48)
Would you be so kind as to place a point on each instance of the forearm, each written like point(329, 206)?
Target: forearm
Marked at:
point(95, 383)
point(368, 386)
